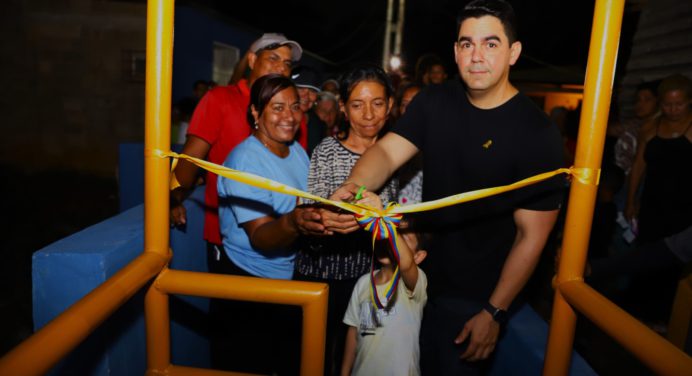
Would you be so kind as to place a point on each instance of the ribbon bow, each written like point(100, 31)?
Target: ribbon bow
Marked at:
point(382, 227)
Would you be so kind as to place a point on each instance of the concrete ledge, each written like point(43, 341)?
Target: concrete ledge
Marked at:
point(68, 269)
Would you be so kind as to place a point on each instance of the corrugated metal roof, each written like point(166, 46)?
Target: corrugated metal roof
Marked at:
point(662, 45)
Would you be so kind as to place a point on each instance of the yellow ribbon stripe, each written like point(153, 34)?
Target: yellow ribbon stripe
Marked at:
point(268, 184)
point(477, 194)
point(582, 175)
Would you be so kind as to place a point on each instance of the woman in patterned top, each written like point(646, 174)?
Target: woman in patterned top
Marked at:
point(339, 260)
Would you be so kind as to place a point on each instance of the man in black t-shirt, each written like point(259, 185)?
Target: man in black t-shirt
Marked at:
point(479, 134)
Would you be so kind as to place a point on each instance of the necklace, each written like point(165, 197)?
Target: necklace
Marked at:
point(281, 153)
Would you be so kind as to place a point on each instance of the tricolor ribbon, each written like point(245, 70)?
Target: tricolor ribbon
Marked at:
point(382, 228)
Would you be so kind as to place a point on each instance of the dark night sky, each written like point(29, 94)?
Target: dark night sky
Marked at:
point(553, 32)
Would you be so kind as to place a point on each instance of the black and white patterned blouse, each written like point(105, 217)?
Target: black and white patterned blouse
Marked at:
point(337, 256)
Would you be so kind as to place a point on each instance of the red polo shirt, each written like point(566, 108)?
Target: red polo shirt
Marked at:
point(220, 119)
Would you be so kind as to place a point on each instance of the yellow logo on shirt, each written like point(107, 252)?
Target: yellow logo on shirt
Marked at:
point(487, 144)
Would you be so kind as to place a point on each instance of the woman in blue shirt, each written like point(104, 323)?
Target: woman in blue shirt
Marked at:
point(258, 229)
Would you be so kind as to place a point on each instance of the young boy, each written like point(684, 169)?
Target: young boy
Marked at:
point(385, 341)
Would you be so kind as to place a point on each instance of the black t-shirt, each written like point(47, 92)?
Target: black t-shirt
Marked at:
point(466, 148)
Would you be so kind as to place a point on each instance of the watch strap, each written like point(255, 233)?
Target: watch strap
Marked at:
point(498, 314)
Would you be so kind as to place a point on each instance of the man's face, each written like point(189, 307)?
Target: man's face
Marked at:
point(307, 98)
point(483, 53)
point(270, 61)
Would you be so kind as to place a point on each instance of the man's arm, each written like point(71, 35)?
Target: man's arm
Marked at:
point(186, 174)
point(381, 160)
point(376, 166)
point(533, 228)
point(372, 170)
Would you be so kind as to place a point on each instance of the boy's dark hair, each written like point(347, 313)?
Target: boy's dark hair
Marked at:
point(499, 9)
point(263, 90)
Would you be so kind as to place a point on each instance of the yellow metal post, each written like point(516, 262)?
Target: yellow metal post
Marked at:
point(157, 121)
point(158, 332)
point(157, 136)
point(605, 36)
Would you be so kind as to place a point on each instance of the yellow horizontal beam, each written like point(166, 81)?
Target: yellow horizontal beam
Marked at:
point(312, 297)
point(222, 286)
point(40, 352)
point(653, 350)
point(190, 371)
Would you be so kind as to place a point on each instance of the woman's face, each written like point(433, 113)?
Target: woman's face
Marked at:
point(645, 105)
point(280, 119)
point(367, 109)
point(675, 105)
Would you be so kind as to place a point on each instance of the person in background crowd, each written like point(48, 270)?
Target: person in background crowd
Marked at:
point(662, 162)
point(430, 70)
point(332, 86)
point(183, 112)
point(479, 134)
point(306, 80)
point(327, 109)
point(645, 108)
point(664, 152)
point(339, 260)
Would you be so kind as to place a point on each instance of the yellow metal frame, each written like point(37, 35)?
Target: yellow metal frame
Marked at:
point(48, 346)
point(45, 348)
point(570, 290)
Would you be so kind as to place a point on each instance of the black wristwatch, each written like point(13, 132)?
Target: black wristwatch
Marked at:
point(499, 315)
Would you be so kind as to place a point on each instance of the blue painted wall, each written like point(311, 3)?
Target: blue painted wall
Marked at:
point(131, 173)
point(68, 269)
point(195, 33)
point(196, 30)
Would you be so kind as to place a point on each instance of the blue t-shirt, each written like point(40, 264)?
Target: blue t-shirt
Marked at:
point(240, 203)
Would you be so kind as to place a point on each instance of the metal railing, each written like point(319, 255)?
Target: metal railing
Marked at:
point(570, 290)
point(38, 354)
point(45, 348)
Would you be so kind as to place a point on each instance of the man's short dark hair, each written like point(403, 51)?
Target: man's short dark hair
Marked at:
point(499, 9)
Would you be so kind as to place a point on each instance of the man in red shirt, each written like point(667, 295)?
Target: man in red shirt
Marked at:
point(219, 123)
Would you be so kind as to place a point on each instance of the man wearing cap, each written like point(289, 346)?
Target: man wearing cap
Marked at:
point(306, 80)
point(219, 124)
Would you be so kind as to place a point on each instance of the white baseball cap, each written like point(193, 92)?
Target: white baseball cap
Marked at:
point(272, 41)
